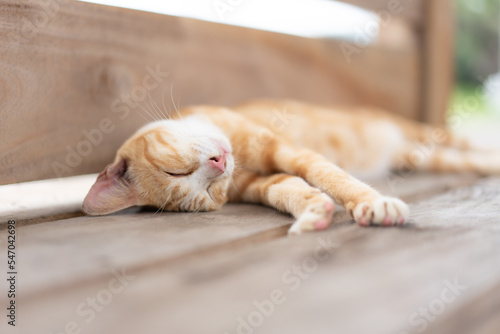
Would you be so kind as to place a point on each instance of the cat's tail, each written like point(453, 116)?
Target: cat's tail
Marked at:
point(436, 149)
point(437, 158)
point(432, 135)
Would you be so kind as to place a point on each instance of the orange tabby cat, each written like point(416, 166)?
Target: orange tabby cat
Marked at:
point(260, 152)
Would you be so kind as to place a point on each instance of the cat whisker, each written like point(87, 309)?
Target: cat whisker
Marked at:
point(164, 204)
point(163, 207)
point(199, 207)
point(185, 130)
point(177, 110)
point(167, 111)
point(232, 183)
point(153, 112)
point(153, 103)
point(147, 112)
point(145, 118)
point(172, 99)
point(179, 104)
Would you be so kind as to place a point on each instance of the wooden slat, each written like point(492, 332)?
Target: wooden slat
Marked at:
point(480, 315)
point(420, 186)
point(172, 235)
point(373, 282)
point(89, 245)
point(65, 68)
point(36, 201)
point(46, 198)
point(432, 23)
point(438, 68)
point(127, 239)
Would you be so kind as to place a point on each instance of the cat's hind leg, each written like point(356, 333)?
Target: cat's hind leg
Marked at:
point(312, 208)
point(447, 159)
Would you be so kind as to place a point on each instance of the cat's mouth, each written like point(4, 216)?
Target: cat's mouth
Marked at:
point(218, 174)
point(215, 177)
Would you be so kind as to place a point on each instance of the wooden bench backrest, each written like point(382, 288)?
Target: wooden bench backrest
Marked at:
point(78, 78)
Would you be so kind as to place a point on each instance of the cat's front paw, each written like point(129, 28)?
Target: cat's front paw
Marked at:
point(385, 211)
point(317, 216)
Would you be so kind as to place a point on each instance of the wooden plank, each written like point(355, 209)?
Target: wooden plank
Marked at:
point(419, 186)
point(173, 236)
point(87, 246)
point(479, 316)
point(381, 276)
point(72, 73)
point(46, 198)
point(66, 195)
point(438, 68)
point(217, 291)
point(37, 201)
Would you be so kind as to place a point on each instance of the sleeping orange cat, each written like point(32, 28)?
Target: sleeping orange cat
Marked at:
point(297, 162)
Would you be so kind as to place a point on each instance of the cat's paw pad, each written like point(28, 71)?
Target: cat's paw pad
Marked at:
point(385, 211)
point(317, 216)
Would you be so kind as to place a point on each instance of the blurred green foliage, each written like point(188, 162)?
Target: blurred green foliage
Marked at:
point(477, 39)
point(463, 95)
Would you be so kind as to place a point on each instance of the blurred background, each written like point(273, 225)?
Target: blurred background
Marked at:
point(474, 107)
point(477, 67)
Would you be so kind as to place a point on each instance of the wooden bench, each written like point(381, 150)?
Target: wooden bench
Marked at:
point(65, 66)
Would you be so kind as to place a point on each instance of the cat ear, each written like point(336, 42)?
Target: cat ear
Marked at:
point(111, 192)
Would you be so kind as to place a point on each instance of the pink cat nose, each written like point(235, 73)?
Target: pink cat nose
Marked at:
point(219, 162)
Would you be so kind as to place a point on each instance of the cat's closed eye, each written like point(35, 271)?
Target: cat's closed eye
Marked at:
point(178, 174)
point(176, 165)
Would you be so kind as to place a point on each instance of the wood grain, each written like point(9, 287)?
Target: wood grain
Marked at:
point(88, 246)
point(480, 315)
point(380, 275)
point(45, 198)
point(438, 67)
point(73, 71)
point(126, 239)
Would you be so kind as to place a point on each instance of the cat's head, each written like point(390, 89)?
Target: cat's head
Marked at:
point(178, 165)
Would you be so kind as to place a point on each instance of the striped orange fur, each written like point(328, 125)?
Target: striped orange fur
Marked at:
point(288, 155)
